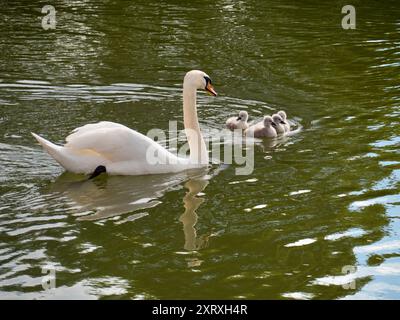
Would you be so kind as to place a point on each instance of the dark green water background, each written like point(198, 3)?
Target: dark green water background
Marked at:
point(318, 204)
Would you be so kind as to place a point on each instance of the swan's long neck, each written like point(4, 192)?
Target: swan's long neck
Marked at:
point(198, 150)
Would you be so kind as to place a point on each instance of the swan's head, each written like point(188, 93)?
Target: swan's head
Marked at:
point(268, 121)
point(199, 80)
point(282, 114)
point(243, 116)
point(278, 119)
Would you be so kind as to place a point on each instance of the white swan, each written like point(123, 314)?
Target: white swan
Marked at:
point(263, 129)
point(285, 119)
point(239, 122)
point(118, 150)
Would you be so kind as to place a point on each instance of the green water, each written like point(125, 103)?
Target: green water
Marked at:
point(317, 204)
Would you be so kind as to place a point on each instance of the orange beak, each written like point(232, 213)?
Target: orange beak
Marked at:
point(210, 89)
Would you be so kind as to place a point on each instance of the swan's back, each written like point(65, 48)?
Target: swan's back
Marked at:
point(91, 127)
point(115, 142)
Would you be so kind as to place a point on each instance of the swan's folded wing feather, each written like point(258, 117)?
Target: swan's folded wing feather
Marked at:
point(115, 143)
point(76, 133)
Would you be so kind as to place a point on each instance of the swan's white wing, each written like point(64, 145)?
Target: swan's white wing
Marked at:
point(91, 127)
point(114, 142)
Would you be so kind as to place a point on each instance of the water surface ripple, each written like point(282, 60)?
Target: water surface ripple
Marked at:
point(317, 219)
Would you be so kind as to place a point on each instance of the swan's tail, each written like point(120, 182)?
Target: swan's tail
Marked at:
point(52, 149)
point(57, 152)
point(77, 161)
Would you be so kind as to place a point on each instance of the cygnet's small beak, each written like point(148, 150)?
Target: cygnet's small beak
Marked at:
point(283, 122)
point(239, 118)
point(210, 89)
point(273, 124)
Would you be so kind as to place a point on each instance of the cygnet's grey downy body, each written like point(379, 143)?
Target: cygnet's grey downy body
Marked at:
point(263, 129)
point(239, 122)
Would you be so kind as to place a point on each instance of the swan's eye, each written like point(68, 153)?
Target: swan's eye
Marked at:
point(208, 80)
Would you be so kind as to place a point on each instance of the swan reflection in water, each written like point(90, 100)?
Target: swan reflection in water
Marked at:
point(111, 196)
point(189, 217)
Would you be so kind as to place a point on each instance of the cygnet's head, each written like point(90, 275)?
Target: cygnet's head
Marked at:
point(282, 114)
point(268, 121)
point(243, 116)
point(278, 119)
point(199, 80)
